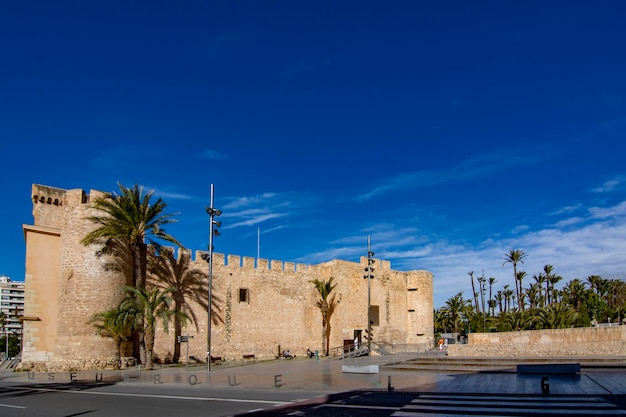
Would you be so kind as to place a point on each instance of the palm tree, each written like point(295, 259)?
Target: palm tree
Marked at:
point(474, 293)
point(499, 300)
point(442, 320)
point(492, 303)
point(540, 279)
point(573, 293)
point(129, 221)
point(556, 316)
point(594, 282)
point(515, 320)
point(109, 324)
point(521, 296)
point(454, 307)
point(126, 224)
point(532, 292)
point(143, 308)
point(327, 307)
point(514, 257)
point(189, 284)
point(508, 297)
point(551, 279)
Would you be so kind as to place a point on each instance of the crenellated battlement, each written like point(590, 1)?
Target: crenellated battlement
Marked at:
point(248, 263)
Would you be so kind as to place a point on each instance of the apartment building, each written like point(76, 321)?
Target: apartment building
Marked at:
point(12, 305)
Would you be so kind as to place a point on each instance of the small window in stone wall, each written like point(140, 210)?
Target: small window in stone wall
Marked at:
point(374, 315)
point(244, 295)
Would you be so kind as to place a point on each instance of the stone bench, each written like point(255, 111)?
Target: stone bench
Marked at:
point(549, 368)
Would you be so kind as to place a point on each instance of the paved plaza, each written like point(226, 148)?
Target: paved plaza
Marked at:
point(323, 388)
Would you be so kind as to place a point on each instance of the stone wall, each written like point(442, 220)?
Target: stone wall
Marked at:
point(66, 284)
point(584, 341)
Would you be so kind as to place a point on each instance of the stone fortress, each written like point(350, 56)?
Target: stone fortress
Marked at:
point(265, 305)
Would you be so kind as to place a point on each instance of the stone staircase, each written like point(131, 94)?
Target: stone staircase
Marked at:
point(440, 362)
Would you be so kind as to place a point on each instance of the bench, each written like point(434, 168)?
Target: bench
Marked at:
point(216, 359)
point(247, 357)
point(549, 368)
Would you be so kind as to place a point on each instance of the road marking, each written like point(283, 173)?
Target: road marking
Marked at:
point(364, 407)
point(167, 397)
point(11, 406)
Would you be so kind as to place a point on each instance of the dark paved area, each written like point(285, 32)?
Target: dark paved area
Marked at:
point(395, 390)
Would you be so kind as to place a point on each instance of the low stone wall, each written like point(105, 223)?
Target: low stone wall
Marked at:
point(584, 341)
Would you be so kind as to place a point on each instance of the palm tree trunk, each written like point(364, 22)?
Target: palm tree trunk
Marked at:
point(178, 329)
point(149, 342)
point(327, 331)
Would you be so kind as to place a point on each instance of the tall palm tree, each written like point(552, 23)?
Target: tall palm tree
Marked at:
point(492, 303)
point(532, 292)
point(126, 224)
point(327, 307)
point(499, 300)
point(521, 296)
point(573, 293)
point(474, 293)
point(509, 294)
point(109, 324)
point(130, 221)
point(189, 284)
point(143, 308)
point(515, 256)
point(551, 280)
point(540, 279)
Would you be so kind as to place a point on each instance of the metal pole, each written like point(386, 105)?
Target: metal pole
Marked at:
point(369, 308)
point(187, 352)
point(210, 294)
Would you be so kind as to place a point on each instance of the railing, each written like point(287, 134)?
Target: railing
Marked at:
point(381, 348)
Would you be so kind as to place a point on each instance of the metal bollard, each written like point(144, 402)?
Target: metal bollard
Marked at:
point(545, 385)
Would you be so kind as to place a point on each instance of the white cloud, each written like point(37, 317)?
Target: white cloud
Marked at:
point(610, 185)
point(467, 169)
point(212, 154)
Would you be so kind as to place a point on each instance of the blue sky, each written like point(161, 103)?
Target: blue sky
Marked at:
point(450, 132)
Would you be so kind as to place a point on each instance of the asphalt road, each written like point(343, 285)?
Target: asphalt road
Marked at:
point(118, 400)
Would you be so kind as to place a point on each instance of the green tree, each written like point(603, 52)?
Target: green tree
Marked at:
point(110, 324)
point(514, 320)
point(492, 302)
point(515, 256)
point(190, 284)
point(549, 278)
point(129, 222)
point(442, 321)
point(521, 296)
point(556, 316)
point(453, 309)
point(327, 307)
point(125, 225)
point(144, 308)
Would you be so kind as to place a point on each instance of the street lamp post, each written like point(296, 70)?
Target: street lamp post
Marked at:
point(212, 212)
point(369, 276)
point(481, 284)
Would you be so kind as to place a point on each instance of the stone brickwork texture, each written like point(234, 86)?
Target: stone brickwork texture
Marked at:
point(66, 284)
point(583, 341)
